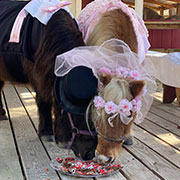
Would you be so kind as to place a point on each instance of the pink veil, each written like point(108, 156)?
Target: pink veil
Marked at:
point(112, 54)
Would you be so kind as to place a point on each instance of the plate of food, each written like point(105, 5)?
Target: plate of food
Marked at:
point(78, 168)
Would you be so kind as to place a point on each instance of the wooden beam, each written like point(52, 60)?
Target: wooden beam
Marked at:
point(162, 25)
point(178, 9)
point(145, 5)
point(154, 8)
point(176, 1)
point(160, 3)
point(139, 7)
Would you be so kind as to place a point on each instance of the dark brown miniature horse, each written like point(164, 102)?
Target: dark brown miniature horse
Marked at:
point(61, 34)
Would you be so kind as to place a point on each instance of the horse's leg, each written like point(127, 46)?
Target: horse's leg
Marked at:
point(45, 119)
point(178, 95)
point(169, 94)
point(2, 111)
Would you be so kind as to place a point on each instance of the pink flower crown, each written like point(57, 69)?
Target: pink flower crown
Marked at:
point(124, 108)
point(121, 72)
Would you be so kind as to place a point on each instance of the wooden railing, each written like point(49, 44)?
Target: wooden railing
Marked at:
point(163, 24)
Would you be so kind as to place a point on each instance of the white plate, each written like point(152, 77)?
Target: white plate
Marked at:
point(57, 166)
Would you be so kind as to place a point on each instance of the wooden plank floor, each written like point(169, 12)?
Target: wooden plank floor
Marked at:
point(155, 153)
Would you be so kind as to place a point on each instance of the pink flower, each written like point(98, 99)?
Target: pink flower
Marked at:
point(100, 87)
point(125, 106)
point(110, 107)
point(134, 74)
point(136, 104)
point(105, 71)
point(99, 102)
point(144, 91)
point(122, 72)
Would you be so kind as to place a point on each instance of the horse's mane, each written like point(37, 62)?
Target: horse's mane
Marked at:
point(114, 24)
point(61, 34)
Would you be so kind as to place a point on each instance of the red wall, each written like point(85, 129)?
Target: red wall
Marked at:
point(164, 38)
point(85, 2)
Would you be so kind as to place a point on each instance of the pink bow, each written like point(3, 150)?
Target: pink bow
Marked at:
point(56, 7)
point(15, 32)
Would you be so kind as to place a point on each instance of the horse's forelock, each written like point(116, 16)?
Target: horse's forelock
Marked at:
point(116, 90)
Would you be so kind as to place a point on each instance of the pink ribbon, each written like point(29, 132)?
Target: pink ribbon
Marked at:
point(15, 32)
point(56, 7)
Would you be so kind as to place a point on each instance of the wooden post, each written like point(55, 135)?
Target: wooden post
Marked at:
point(76, 7)
point(178, 10)
point(178, 95)
point(139, 7)
point(170, 12)
point(162, 11)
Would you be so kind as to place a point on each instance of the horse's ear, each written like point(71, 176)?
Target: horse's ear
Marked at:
point(136, 87)
point(105, 78)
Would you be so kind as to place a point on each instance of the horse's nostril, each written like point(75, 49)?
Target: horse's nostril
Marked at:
point(109, 159)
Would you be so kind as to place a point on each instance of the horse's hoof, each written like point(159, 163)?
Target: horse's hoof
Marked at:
point(3, 117)
point(128, 142)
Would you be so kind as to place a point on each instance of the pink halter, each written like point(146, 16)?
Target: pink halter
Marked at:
point(76, 131)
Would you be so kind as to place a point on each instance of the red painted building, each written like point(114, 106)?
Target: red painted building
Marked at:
point(85, 2)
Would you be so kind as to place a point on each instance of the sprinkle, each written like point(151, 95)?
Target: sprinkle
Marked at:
point(59, 159)
point(69, 159)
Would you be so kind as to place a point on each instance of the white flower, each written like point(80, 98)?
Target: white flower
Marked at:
point(105, 71)
point(100, 87)
point(125, 106)
point(134, 74)
point(122, 72)
point(99, 102)
point(136, 104)
point(144, 91)
point(110, 107)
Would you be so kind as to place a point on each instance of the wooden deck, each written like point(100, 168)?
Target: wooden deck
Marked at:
point(154, 155)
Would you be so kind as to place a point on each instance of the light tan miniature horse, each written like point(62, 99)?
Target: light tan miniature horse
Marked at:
point(114, 24)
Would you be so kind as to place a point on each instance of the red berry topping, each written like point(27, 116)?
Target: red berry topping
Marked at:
point(59, 159)
point(101, 171)
point(69, 159)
